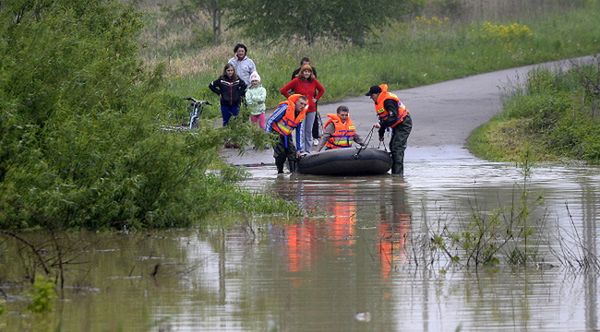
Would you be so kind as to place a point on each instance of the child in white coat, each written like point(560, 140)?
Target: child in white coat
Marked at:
point(255, 100)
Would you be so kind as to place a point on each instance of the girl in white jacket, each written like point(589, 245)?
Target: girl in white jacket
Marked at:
point(255, 100)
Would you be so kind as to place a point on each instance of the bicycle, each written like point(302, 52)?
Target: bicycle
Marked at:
point(196, 107)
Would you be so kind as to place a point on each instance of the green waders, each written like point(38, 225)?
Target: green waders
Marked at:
point(285, 149)
point(398, 144)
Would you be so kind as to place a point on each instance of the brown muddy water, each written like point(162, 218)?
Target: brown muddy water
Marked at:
point(354, 266)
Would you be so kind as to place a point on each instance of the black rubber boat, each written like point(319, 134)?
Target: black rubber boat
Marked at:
point(346, 162)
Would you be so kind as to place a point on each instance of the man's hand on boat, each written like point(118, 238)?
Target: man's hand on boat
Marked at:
point(301, 154)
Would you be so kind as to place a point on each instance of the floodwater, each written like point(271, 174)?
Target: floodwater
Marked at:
point(354, 264)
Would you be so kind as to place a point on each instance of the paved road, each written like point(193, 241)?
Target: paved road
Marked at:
point(444, 114)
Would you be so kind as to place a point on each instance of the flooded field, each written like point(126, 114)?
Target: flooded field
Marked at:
point(354, 264)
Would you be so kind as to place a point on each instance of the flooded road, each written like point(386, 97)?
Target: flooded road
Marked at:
point(360, 258)
point(353, 264)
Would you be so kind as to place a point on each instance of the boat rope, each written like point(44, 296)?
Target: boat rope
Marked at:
point(367, 140)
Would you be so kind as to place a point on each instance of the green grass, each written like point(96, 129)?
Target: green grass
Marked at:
point(554, 117)
point(404, 55)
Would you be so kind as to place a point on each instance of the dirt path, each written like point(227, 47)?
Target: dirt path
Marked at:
point(444, 114)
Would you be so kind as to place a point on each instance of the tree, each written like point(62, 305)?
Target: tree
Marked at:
point(347, 20)
point(78, 116)
point(214, 8)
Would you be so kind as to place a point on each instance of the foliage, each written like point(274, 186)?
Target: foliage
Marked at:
point(432, 20)
point(403, 53)
point(500, 236)
point(42, 295)
point(189, 11)
point(80, 144)
point(505, 32)
point(557, 114)
point(348, 20)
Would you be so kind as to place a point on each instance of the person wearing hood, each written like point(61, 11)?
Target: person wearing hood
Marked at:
point(339, 132)
point(288, 116)
point(307, 85)
point(244, 66)
point(256, 96)
point(392, 115)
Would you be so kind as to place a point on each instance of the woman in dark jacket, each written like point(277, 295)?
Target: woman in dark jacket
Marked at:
point(231, 89)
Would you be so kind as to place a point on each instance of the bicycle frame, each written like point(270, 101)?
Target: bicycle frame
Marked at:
point(196, 111)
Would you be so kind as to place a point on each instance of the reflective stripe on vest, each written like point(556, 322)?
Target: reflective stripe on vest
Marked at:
point(343, 136)
point(289, 121)
point(383, 114)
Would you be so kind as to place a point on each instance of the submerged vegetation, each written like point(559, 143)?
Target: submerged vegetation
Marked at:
point(82, 119)
point(503, 236)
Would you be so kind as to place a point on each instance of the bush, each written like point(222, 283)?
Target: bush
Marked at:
point(80, 144)
point(559, 108)
point(42, 296)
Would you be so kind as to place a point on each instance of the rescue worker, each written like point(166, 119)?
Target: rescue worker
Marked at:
point(392, 114)
point(288, 116)
point(339, 131)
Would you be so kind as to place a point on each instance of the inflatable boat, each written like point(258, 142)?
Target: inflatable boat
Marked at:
point(346, 162)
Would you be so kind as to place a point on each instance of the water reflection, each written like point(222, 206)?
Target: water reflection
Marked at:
point(385, 218)
point(347, 265)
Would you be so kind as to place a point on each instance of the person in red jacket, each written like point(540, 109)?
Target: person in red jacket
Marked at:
point(307, 85)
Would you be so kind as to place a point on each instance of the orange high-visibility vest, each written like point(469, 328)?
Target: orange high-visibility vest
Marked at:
point(382, 113)
point(289, 121)
point(343, 137)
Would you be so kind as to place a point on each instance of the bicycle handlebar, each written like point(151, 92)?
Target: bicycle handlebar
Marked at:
point(201, 102)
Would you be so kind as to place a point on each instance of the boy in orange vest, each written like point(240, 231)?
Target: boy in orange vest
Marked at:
point(339, 131)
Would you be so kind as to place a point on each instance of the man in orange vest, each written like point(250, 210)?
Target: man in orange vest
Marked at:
point(287, 117)
point(392, 114)
point(339, 131)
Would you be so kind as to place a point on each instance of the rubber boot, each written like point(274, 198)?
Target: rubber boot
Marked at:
point(279, 168)
point(293, 166)
point(398, 169)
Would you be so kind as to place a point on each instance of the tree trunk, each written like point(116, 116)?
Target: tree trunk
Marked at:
point(216, 24)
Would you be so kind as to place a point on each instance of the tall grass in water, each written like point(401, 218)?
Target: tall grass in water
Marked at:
point(503, 236)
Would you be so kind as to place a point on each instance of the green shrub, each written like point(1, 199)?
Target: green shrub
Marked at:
point(559, 110)
point(81, 144)
point(42, 295)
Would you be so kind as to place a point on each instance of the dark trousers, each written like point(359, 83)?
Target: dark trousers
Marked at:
point(227, 111)
point(285, 150)
point(317, 125)
point(398, 144)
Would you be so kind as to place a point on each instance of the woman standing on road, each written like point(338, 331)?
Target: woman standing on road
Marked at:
point(231, 89)
point(306, 84)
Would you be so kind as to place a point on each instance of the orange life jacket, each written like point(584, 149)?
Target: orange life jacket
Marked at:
point(289, 121)
point(382, 113)
point(343, 137)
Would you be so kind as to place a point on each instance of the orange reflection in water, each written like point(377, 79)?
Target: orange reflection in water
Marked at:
point(300, 245)
point(306, 240)
point(392, 244)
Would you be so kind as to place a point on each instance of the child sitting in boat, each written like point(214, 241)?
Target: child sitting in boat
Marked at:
point(338, 131)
